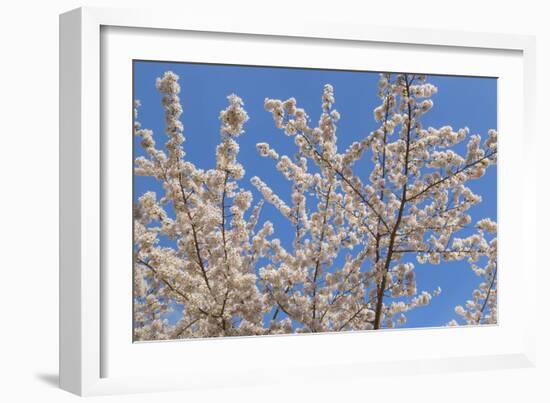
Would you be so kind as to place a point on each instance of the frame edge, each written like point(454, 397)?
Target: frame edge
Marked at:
point(70, 293)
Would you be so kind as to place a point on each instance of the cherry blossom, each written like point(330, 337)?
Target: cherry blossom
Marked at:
point(358, 237)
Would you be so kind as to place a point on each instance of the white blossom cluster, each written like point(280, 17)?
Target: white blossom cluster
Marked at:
point(211, 271)
point(351, 265)
point(482, 308)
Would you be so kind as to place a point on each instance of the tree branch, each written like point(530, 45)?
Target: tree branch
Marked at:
point(487, 297)
point(382, 286)
point(346, 180)
point(195, 238)
point(451, 176)
point(318, 263)
point(168, 284)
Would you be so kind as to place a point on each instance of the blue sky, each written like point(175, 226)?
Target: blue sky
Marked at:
point(460, 101)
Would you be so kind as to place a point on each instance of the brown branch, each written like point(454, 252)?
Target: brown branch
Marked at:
point(382, 286)
point(168, 284)
point(178, 334)
point(321, 239)
point(436, 251)
point(277, 309)
point(195, 237)
point(438, 182)
point(346, 180)
point(341, 295)
point(223, 217)
point(352, 317)
point(282, 308)
point(487, 297)
point(223, 309)
point(378, 236)
point(343, 207)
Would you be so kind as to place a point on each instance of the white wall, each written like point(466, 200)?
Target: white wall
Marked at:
point(29, 178)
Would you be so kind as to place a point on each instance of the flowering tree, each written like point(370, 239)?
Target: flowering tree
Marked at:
point(356, 235)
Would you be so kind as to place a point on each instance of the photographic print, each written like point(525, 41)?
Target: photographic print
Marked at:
point(284, 200)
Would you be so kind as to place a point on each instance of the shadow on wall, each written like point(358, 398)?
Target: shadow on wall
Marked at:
point(49, 379)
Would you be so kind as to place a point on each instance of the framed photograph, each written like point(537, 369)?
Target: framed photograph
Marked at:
point(244, 202)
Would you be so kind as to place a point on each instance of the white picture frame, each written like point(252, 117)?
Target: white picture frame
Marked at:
point(85, 343)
